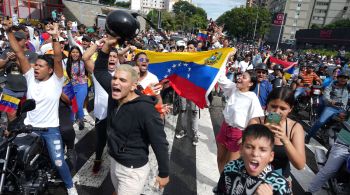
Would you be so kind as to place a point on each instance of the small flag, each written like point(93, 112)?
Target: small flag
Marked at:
point(8, 103)
point(69, 91)
point(202, 36)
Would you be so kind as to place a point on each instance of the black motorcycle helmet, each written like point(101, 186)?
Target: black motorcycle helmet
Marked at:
point(278, 67)
point(261, 66)
point(123, 24)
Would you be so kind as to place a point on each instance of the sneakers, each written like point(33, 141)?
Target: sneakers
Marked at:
point(180, 134)
point(195, 141)
point(72, 191)
point(97, 166)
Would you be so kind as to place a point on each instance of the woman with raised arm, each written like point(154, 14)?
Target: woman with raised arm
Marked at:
point(45, 81)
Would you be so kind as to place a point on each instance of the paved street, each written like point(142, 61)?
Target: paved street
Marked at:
point(193, 170)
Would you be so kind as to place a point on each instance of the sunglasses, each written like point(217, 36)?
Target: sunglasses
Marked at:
point(143, 60)
point(260, 72)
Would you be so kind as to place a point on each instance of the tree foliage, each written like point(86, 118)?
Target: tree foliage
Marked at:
point(185, 16)
point(167, 18)
point(124, 4)
point(240, 22)
point(188, 17)
point(343, 23)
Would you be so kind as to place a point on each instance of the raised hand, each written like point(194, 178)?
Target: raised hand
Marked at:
point(53, 29)
point(7, 25)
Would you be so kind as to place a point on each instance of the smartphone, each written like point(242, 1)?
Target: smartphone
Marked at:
point(273, 118)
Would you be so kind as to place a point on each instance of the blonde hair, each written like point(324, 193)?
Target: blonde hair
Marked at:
point(129, 69)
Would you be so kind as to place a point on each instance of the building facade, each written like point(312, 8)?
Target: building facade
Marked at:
point(145, 6)
point(303, 14)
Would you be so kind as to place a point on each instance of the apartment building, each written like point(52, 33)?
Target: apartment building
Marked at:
point(145, 6)
point(302, 14)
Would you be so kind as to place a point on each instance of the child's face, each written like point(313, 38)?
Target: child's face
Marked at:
point(257, 154)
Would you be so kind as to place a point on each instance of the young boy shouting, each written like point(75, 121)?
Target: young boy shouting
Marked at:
point(253, 174)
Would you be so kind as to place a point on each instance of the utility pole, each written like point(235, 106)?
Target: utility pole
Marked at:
point(279, 34)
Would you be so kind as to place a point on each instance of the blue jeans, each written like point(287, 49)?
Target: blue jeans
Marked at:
point(80, 91)
point(327, 114)
point(299, 91)
point(55, 149)
point(337, 156)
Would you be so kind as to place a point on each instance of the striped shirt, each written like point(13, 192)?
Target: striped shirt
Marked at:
point(308, 78)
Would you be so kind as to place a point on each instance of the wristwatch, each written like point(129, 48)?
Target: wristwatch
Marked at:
point(54, 39)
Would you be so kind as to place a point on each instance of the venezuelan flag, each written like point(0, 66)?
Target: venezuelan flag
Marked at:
point(192, 75)
point(202, 36)
point(69, 91)
point(8, 103)
point(286, 65)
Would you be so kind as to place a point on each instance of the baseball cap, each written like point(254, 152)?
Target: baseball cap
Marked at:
point(20, 35)
point(86, 38)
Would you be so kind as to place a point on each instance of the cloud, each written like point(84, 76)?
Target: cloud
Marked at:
point(215, 8)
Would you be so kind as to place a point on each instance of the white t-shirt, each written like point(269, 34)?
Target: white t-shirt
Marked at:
point(46, 95)
point(241, 106)
point(100, 101)
point(244, 66)
point(45, 48)
point(150, 78)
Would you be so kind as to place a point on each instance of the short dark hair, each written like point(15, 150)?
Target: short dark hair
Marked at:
point(138, 55)
point(47, 58)
point(253, 79)
point(258, 131)
point(282, 93)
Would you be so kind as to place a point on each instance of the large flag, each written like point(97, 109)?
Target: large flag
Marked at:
point(286, 65)
point(8, 103)
point(192, 75)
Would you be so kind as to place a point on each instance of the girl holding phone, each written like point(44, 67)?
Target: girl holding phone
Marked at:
point(289, 134)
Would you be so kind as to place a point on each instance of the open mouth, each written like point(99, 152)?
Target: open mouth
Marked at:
point(116, 89)
point(36, 73)
point(253, 165)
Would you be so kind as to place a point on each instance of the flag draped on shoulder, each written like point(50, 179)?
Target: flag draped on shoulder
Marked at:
point(191, 74)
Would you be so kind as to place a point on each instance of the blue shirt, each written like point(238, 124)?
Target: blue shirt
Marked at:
point(262, 93)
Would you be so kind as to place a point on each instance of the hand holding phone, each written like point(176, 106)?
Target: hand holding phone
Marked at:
point(273, 118)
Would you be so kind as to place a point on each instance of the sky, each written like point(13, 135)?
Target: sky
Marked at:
point(215, 8)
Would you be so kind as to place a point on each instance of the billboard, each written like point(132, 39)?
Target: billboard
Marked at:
point(279, 19)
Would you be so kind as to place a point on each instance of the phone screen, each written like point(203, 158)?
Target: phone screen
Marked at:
point(273, 118)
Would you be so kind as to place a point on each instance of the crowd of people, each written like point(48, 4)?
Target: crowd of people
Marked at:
point(257, 141)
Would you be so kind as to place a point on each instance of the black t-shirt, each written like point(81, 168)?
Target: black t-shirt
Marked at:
point(235, 180)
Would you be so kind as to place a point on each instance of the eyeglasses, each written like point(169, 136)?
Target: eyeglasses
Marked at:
point(143, 60)
point(260, 72)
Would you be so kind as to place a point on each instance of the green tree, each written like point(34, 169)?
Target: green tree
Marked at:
point(188, 17)
point(168, 21)
point(124, 4)
point(241, 22)
point(343, 23)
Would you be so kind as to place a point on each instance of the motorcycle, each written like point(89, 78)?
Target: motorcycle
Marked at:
point(340, 183)
point(315, 102)
point(24, 160)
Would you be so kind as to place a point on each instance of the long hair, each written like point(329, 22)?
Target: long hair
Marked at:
point(70, 61)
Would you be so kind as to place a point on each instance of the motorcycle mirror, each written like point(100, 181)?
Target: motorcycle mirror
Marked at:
point(28, 105)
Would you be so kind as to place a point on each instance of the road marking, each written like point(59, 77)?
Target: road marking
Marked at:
point(207, 168)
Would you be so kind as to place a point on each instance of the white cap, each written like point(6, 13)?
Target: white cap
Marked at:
point(181, 43)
